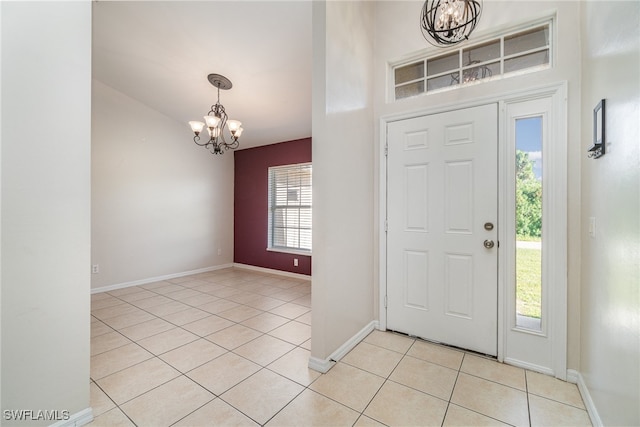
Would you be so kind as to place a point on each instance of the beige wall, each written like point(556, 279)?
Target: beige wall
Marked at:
point(610, 325)
point(45, 174)
point(342, 173)
point(398, 35)
point(161, 205)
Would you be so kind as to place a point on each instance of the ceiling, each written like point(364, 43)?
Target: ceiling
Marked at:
point(160, 53)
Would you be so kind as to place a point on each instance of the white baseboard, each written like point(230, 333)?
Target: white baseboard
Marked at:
point(158, 279)
point(78, 419)
point(320, 365)
point(586, 397)
point(323, 365)
point(572, 376)
point(272, 271)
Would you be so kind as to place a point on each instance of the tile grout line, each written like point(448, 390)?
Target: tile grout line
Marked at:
point(387, 378)
point(219, 396)
point(117, 406)
point(195, 410)
point(453, 389)
point(558, 401)
point(287, 404)
point(526, 387)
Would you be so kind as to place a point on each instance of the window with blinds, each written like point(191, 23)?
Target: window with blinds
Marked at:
point(290, 203)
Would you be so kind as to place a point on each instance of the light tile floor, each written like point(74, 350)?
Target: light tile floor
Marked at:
point(231, 347)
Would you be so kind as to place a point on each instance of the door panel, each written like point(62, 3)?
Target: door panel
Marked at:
point(441, 190)
point(458, 194)
point(459, 285)
point(417, 273)
point(417, 197)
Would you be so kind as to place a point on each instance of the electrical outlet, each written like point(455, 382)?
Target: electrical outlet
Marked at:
point(219, 251)
point(295, 262)
point(95, 269)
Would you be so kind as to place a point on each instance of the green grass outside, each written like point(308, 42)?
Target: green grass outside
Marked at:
point(522, 238)
point(529, 279)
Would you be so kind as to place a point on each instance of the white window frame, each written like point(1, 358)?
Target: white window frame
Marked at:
point(543, 351)
point(498, 35)
point(271, 208)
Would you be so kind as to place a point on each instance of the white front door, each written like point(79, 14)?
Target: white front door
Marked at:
point(442, 204)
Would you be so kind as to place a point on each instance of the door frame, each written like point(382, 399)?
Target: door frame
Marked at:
point(558, 94)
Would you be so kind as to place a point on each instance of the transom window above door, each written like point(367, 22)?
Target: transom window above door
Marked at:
point(520, 51)
point(290, 208)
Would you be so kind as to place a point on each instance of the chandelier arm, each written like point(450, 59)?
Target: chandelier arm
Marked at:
point(220, 111)
point(232, 145)
point(196, 139)
point(223, 121)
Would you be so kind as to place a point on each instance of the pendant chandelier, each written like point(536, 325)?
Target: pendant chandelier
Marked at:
point(447, 22)
point(215, 122)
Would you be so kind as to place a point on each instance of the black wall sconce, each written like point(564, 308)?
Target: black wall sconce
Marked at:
point(599, 140)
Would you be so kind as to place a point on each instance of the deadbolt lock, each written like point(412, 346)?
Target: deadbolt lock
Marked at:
point(488, 226)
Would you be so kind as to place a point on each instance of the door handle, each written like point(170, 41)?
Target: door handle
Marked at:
point(488, 244)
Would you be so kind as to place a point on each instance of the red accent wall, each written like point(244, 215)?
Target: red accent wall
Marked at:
point(251, 209)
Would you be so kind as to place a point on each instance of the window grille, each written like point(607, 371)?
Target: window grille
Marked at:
point(520, 51)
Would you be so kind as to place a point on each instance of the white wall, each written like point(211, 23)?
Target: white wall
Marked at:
point(161, 205)
point(1, 205)
point(45, 175)
point(610, 325)
point(342, 173)
point(398, 35)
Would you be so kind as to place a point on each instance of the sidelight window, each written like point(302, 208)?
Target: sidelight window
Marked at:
point(528, 198)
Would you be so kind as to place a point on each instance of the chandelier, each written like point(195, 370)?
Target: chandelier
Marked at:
point(215, 122)
point(447, 22)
